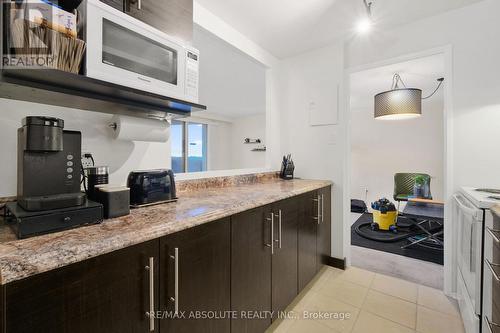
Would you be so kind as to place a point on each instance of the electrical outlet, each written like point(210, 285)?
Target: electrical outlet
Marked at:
point(87, 160)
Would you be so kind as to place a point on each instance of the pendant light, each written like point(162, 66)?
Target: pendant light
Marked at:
point(400, 103)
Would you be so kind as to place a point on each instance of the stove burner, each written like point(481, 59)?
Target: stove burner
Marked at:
point(489, 190)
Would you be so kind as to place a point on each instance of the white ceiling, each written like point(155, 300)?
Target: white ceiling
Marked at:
point(232, 84)
point(420, 73)
point(289, 27)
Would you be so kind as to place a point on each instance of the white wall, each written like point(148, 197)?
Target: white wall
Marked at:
point(120, 156)
point(317, 150)
point(252, 127)
point(232, 84)
point(274, 91)
point(226, 149)
point(219, 146)
point(472, 32)
point(379, 149)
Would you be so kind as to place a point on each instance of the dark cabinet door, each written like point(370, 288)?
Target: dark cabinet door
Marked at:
point(251, 268)
point(174, 17)
point(109, 293)
point(325, 226)
point(195, 279)
point(307, 253)
point(284, 259)
point(118, 4)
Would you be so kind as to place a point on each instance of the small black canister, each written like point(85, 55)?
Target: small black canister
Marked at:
point(98, 175)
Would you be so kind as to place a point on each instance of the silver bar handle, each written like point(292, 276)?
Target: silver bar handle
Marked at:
point(490, 324)
point(139, 4)
point(467, 210)
point(150, 313)
point(318, 201)
point(322, 208)
point(279, 228)
point(175, 299)
point(271, 245)
point(490, 266)
point(492, 234)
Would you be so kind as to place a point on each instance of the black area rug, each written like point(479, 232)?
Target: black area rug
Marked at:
point(415, 251)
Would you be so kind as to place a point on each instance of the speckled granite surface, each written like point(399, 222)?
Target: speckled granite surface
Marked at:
point(198, 184)
point(23, 258)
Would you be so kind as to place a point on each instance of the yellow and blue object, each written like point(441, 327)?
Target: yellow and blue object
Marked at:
point(385, 215)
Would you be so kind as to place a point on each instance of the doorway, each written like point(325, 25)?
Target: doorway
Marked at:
point(379, 149)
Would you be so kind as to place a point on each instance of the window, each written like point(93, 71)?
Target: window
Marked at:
point(189, 147)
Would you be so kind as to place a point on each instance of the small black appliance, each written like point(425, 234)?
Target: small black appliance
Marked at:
point(96, 175)
point(48, 165)
point(27, 224)
point(115, 200)
point(151, 186)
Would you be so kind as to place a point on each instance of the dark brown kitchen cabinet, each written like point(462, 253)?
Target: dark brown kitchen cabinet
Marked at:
point(118, 4)
point(324, 242)
point(109, 293)
point(174, 17)
point(307, 243)
point(195, 279)
point(251, 268)
point(284, 258)
point(254, 262)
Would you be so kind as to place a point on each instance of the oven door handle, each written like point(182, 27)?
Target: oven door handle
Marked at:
point(467, 210)
point(491, 324)
point(492, 234)
point(490, 266)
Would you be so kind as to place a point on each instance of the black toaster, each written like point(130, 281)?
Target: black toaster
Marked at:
point(151, 186)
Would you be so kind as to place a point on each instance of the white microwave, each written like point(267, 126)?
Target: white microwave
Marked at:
point(128, 52)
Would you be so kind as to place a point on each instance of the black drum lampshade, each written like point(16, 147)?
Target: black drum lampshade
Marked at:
point(398, 104)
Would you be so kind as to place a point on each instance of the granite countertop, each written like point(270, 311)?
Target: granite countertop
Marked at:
point(23, 258)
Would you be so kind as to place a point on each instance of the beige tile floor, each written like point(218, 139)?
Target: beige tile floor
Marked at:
point(369, 303)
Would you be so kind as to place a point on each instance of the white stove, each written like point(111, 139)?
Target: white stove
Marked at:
point(482, 198)
point(470, 215)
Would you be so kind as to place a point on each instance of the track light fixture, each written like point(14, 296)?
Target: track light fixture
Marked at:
point(365, 24)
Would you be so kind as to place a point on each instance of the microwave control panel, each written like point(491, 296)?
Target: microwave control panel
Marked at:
point(192, 73)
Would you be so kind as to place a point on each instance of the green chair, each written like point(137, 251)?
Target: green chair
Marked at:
point(403, 185)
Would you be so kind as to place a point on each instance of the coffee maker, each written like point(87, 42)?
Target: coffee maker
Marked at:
point(49, 197)
point(48, 166)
